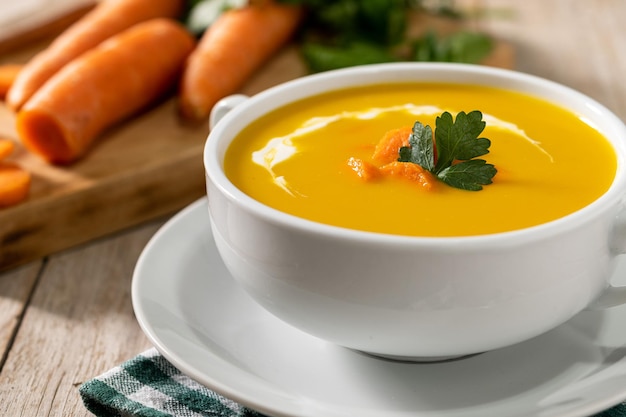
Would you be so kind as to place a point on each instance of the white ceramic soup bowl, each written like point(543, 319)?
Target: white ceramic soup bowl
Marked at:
point(412, 297)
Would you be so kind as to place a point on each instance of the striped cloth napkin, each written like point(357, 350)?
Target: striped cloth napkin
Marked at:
point(149, 386)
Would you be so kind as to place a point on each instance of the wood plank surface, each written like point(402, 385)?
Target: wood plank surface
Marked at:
point(79, 322)
point(51, 17)
point(69, 318)
point(144, 168)
point(15, 291)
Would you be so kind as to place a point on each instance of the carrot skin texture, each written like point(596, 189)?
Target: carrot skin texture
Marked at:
point(107, 19)
point(102, 87)
point(8, 75)
point(229, 52)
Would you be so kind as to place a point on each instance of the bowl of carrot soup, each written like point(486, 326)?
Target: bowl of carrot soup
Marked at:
point(419, 211)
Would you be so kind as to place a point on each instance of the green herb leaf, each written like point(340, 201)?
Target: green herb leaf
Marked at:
point(468, 175)
point(469, 47)
point(457, 143)
point(334, 32)
point(379, 21)
point(421, 149)
point(385, 20)
point(321, 57)
point(203, 13)
point(458, 139)
point(463, 46)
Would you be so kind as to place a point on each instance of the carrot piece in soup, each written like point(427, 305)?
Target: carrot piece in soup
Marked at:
point(14, 184)
point(229, 52)
point(363, 169)
point(387, 148)
point(114, 80)
point(409, 171)
point(7, 147)
point(107, 19)
point(8, 74)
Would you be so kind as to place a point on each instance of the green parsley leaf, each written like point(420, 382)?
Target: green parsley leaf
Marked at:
point(458, 139)
point(383, 22)
point(420, 150)
point(469, 47)
point(457, 144)
point(463, 46)
point(344, 33)
point(468, 175)
point(321, 57)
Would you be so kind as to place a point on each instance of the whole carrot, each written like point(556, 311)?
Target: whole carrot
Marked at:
point(237, 44)
point(114, 80)
point(108, 18)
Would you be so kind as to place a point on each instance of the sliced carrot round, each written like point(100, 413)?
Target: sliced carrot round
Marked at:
point(14, 184)
point(7, 147)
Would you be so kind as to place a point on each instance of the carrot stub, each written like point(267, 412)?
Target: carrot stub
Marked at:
point(14, 184)
point(107, 19)
point(229, 52)
point(109, 83)
point(409, 171)
point(387, 148)
point(363, 169)
point(8, 74)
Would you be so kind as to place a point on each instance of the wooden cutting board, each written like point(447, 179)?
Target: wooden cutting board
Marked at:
point(147, 167)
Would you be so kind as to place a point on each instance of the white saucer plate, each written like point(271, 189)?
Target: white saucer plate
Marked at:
point(198, 318)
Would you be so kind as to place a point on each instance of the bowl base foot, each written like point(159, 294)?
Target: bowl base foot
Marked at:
point(418, 359)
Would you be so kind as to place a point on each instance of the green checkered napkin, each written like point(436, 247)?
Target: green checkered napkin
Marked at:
point(149, 386)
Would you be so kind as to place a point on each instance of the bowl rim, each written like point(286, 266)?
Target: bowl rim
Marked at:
point(222, 134)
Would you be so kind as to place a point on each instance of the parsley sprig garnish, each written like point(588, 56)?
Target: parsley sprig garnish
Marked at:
point(457, 143)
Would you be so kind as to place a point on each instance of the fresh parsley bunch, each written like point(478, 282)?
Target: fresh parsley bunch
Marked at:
point(456, 144)
point(344, 33)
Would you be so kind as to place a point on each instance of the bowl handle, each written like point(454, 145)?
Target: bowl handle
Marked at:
point(224, 106)
point(611, 297)
point(614, 295)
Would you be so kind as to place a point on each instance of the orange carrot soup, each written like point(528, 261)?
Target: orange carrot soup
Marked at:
point(333, 159)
